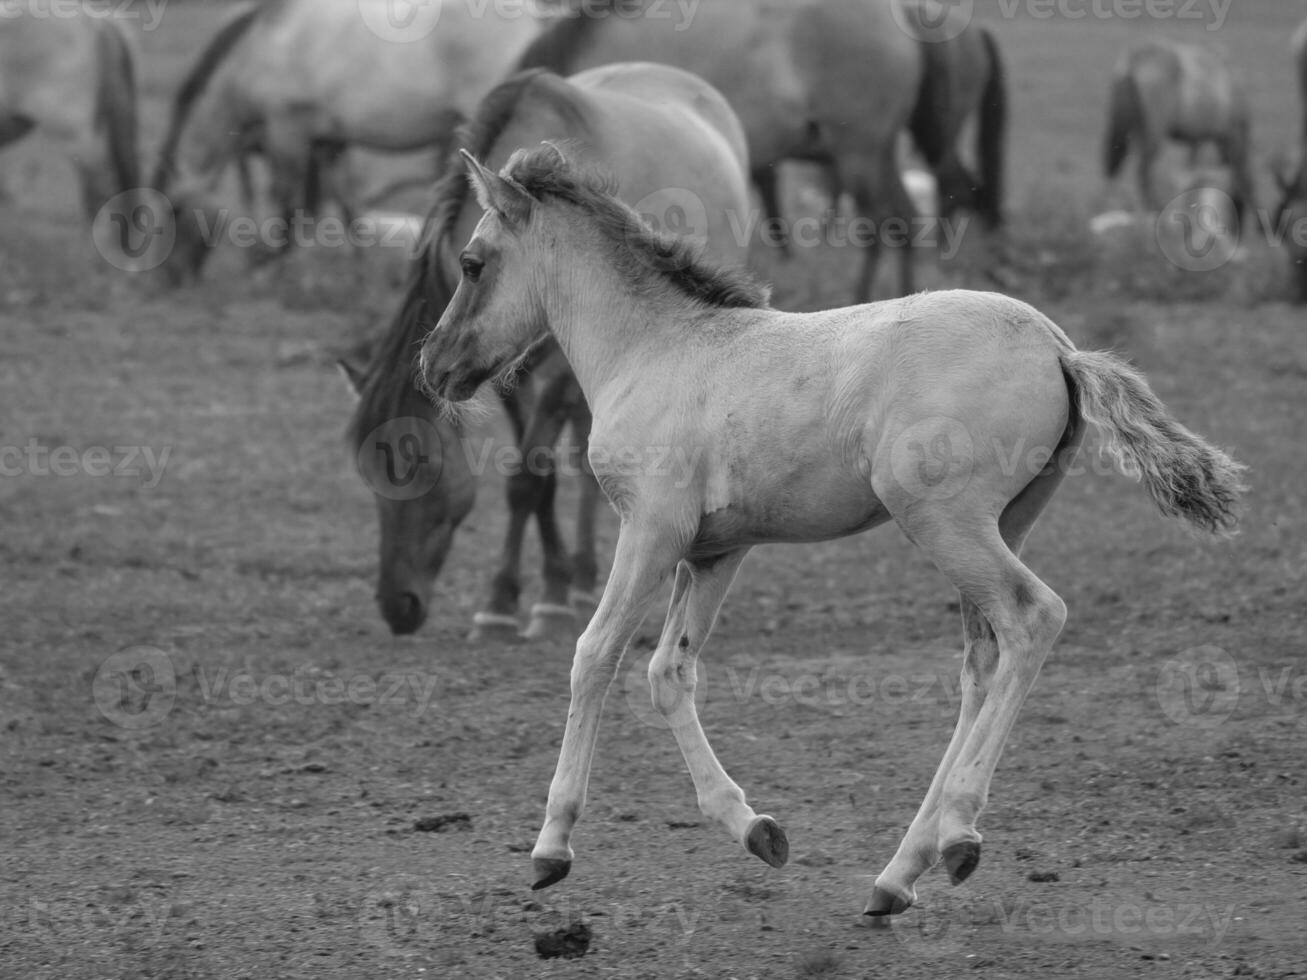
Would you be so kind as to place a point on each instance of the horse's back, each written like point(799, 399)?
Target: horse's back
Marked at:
point(1188, 91)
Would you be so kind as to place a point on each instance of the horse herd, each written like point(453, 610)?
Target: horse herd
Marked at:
point(516, 264)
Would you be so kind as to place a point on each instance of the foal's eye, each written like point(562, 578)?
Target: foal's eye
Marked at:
point(472, 267)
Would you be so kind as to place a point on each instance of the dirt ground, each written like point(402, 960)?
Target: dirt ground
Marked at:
point(215, 762)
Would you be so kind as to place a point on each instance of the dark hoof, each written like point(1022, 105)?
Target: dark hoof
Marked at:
point(961, 859)
point(885, 902)
point(766, 840)
point(549, 871)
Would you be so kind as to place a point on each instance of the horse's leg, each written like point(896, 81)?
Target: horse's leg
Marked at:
point(1235, 154)
point(1149, 150)
point(696, 598)
point(766, 177)
point(1010, 620)
point(585, 568)
point(499, 618)
point(646, 552)
point(880, 196)
point(289, 151)
point(553, 614)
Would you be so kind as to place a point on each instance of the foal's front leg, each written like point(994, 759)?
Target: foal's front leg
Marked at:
point(698, 594)
point(644, 555)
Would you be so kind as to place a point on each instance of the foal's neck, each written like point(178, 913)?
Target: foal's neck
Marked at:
point(612, 329)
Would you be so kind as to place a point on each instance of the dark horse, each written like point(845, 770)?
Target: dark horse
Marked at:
point(652, 126)
point(1164, 90)
point(828, 80)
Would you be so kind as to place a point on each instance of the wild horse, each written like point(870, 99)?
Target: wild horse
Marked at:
point(812, 426)
point(674, 144)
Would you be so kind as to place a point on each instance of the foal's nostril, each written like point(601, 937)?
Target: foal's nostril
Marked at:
point(404, 612)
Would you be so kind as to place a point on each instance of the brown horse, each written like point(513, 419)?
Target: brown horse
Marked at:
point(828, 80)
point(675, 147)
point(1164, 90)
point(73, 78)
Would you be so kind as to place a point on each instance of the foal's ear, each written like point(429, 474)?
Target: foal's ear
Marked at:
point(494, 193)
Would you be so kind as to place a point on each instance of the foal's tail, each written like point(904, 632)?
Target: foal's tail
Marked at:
point(1186, 476)
point(1123, 118)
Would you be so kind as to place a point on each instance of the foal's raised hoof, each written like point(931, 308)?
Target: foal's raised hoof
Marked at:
point(885, 902)
point(496, 627)
point(551, 622)
point(549, 871)
point(961, 859)
point(766, 840)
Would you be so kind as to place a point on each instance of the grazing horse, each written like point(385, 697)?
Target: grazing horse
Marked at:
point(300, 80)
point(1165, 90)
point(809, 426)
point(74, 79)
point(655, 127)
point(827, 80)
point(1292, 210)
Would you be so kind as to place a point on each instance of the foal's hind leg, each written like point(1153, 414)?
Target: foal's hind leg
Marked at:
point(696, 598)
point(940, 827)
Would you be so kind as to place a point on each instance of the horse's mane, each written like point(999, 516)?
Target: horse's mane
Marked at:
point(197, 80)
point(558, 46)
point(638, 249)
point(390, 381)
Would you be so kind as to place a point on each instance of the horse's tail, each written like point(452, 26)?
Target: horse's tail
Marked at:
point(116, 105)
point(991, 135)
point(1123, 118)
point(193, 86)
point(1186, 476)
point(930, 115)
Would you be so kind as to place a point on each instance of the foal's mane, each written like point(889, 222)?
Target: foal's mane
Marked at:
point(390, 382)
point(638, 250)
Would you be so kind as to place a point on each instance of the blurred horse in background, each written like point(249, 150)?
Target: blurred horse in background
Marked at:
point(299, 80)
point(73, 78)
point(1291, 212)
point(1163, 90)
point(834, 81)
point(675, 148)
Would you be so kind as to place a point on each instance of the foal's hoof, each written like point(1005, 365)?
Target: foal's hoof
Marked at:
point(549, 871)
point(494, 626)
point(961, 859)
point(886, 902)
point(551, 622)
point(766, 840)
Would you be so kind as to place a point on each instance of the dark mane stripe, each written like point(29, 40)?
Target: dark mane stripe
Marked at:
point(389, 389)
point(558, 47)
point(638, 249)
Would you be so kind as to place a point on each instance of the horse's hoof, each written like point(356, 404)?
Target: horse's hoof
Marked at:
point(493, 626)
point(961, 859)
point(766, 840)
point(885, 902)
point(551, 621)
point(549, 871)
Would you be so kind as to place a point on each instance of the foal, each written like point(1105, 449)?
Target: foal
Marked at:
point(804, 427)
